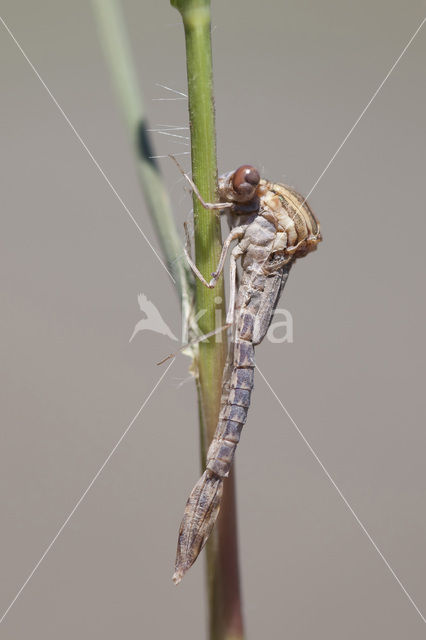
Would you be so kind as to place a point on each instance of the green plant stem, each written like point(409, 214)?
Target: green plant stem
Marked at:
point(115, 43)
point(222, 555)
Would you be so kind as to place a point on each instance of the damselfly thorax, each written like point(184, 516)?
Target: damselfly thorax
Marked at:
point(297, 229)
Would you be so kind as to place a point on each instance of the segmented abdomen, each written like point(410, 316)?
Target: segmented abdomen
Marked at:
point(253, 322)
point(233, 413)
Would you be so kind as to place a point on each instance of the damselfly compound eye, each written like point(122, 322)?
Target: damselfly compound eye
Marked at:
point(245, 181)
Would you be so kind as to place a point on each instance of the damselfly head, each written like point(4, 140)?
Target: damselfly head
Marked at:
point(240, 185)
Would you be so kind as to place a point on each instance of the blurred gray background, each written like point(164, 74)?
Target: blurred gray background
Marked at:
point(291, 78)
